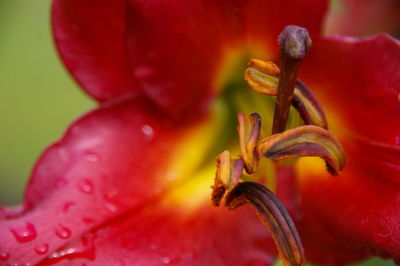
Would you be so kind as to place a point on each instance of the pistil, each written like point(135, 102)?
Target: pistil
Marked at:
point(294, 43)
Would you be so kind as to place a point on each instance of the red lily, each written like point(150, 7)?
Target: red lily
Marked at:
point(129, 183)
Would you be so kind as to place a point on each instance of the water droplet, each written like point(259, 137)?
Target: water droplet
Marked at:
point(112, 207)
point(67, 205)
point(109, 201)
point(93, 158)
point(143, 72)
point(147, 131)
point(24, 232)
point(397, 140)
point(83, 249)
point(85, 186)
point(59, 255)
point(4, 256)
point(60, 183)
point(168, 260)
point(398, 97)
point(62, 232)
point(42, 249)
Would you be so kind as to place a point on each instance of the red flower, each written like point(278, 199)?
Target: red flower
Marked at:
point(129, 183)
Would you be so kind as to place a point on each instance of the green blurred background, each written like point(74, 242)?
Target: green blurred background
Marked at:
point(38, 98)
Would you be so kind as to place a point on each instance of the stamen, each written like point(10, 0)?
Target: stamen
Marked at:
point(313, 139)
point(294, 42)
point(308, 106)
point(227, 176)
point(263, 77)
point(249, 132)
point(273, 216)
point(305, 141)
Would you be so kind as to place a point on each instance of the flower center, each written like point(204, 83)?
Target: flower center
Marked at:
point(310, 139)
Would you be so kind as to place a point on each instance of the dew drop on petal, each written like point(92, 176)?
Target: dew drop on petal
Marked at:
point(109, 201)
point(42, 249)
point(66, 206)
point(4, 256)
point(24, 232)
point(83, 249)
point(148, 131)
point(59, 255)
point(170, 260)
point(85, 186)
point(112, 207)
point(93, 158)
point(143, 72)
point(62, 232)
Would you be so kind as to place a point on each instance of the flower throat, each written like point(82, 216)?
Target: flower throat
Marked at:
point(310, 139)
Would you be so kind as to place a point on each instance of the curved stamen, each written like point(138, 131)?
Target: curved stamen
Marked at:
point(249, 131)
point(263, 77)
point(308, 106)
point(227, 176)
point(273, 216)
point(305, 141)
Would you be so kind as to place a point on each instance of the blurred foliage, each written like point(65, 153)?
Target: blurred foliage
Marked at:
point(38, 99)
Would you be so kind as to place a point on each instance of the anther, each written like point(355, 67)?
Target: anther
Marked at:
point(273, 216)
point(294, 42)
point(305, 141)
point(249, 131)
point(227, 176)
point(263, 77)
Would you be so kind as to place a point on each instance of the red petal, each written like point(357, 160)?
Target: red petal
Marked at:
point(110, 161)
point(357, 213)
point(175, 48)
point(90, 37)
point(158, 235)
point(349, 218)
point(363, 18)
